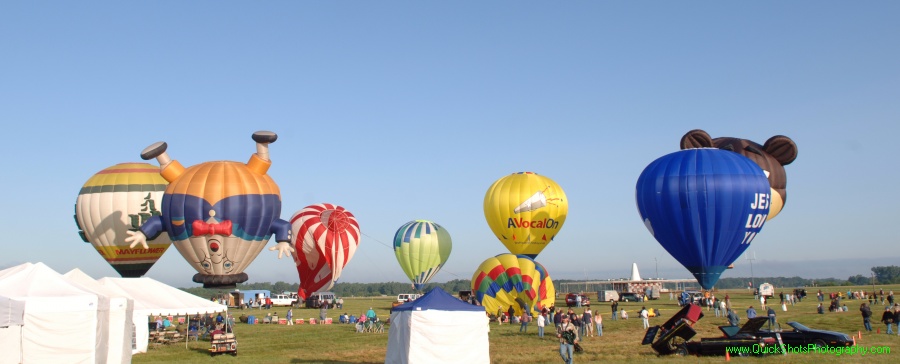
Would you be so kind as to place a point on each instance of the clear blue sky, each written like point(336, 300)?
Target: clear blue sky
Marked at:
point(410, 110)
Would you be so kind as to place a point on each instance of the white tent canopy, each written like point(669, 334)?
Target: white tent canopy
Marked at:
point(12, 317)
point(115, 329)
point(59, 320)
point(438, 328)
point(12, 312)
point(153, 298)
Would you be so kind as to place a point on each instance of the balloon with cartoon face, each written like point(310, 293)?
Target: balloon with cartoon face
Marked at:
point(219, 214)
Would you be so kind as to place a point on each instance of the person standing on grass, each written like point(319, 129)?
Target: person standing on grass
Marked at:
point(524, 320)
point(579, 324)
point(290, 316)
point(645, 317)
point(888, 319)
point(588, 321)
point(541, 322)
point(897, 317)
point(323, 312)
point(567, 339)
point(866, 315)
point(615, 310)
point(598, 321)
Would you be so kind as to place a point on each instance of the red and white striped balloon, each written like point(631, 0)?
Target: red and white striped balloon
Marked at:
point(325, 238)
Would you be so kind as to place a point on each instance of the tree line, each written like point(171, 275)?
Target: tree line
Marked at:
point(341, 289)
point(880, 275)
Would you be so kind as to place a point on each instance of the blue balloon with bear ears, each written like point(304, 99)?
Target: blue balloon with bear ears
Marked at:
point(704, 206)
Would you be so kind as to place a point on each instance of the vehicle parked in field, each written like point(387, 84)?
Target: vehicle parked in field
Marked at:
point(740, 341)
point(799, 335)
point(767, 289)
point(629, 297)
point(607, 296)
point(315, 300)
point(669, 336)
point(403, 297)
point(282, 300)
point(652, 293)
point(223, 344)
point(572, 299)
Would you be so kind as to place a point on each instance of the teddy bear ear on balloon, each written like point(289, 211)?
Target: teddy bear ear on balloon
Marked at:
point(777, 152)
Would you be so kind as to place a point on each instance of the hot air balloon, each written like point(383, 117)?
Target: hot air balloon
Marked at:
point(422, 247)
point(513, 280)
point(326, 237)
point(704, 206)
point(525, 211)
point(219, 214)
point(777, 152)
point(115, 200)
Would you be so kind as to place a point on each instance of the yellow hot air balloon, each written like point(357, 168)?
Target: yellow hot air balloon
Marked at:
point(513, 280)
point(118, 199)
point(525, 211)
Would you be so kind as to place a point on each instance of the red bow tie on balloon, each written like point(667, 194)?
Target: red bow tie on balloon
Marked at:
point(201, 228)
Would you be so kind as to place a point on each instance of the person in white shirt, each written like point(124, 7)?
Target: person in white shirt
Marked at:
point(645, 317)
point(541, 322)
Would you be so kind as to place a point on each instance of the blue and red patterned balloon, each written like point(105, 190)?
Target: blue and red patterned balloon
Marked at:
point(219, 215)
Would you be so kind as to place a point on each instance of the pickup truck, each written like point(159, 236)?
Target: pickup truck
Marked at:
point(282, 300)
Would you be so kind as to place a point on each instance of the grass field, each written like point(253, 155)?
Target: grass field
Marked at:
point(621, 339)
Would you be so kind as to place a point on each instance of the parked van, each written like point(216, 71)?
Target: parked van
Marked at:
point(403, 297)
point(319, 297)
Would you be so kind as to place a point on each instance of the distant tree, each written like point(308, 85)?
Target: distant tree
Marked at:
point(859, 280)
point(887, 275)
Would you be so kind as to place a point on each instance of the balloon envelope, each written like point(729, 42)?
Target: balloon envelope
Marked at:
point(525, 211)
point(513, 280)
point(118, 199)
point(422, 247)
point(219, 216)
point(704, 206)
point(326, 237)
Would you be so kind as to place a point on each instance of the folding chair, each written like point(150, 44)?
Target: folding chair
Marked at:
point(379, 327)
